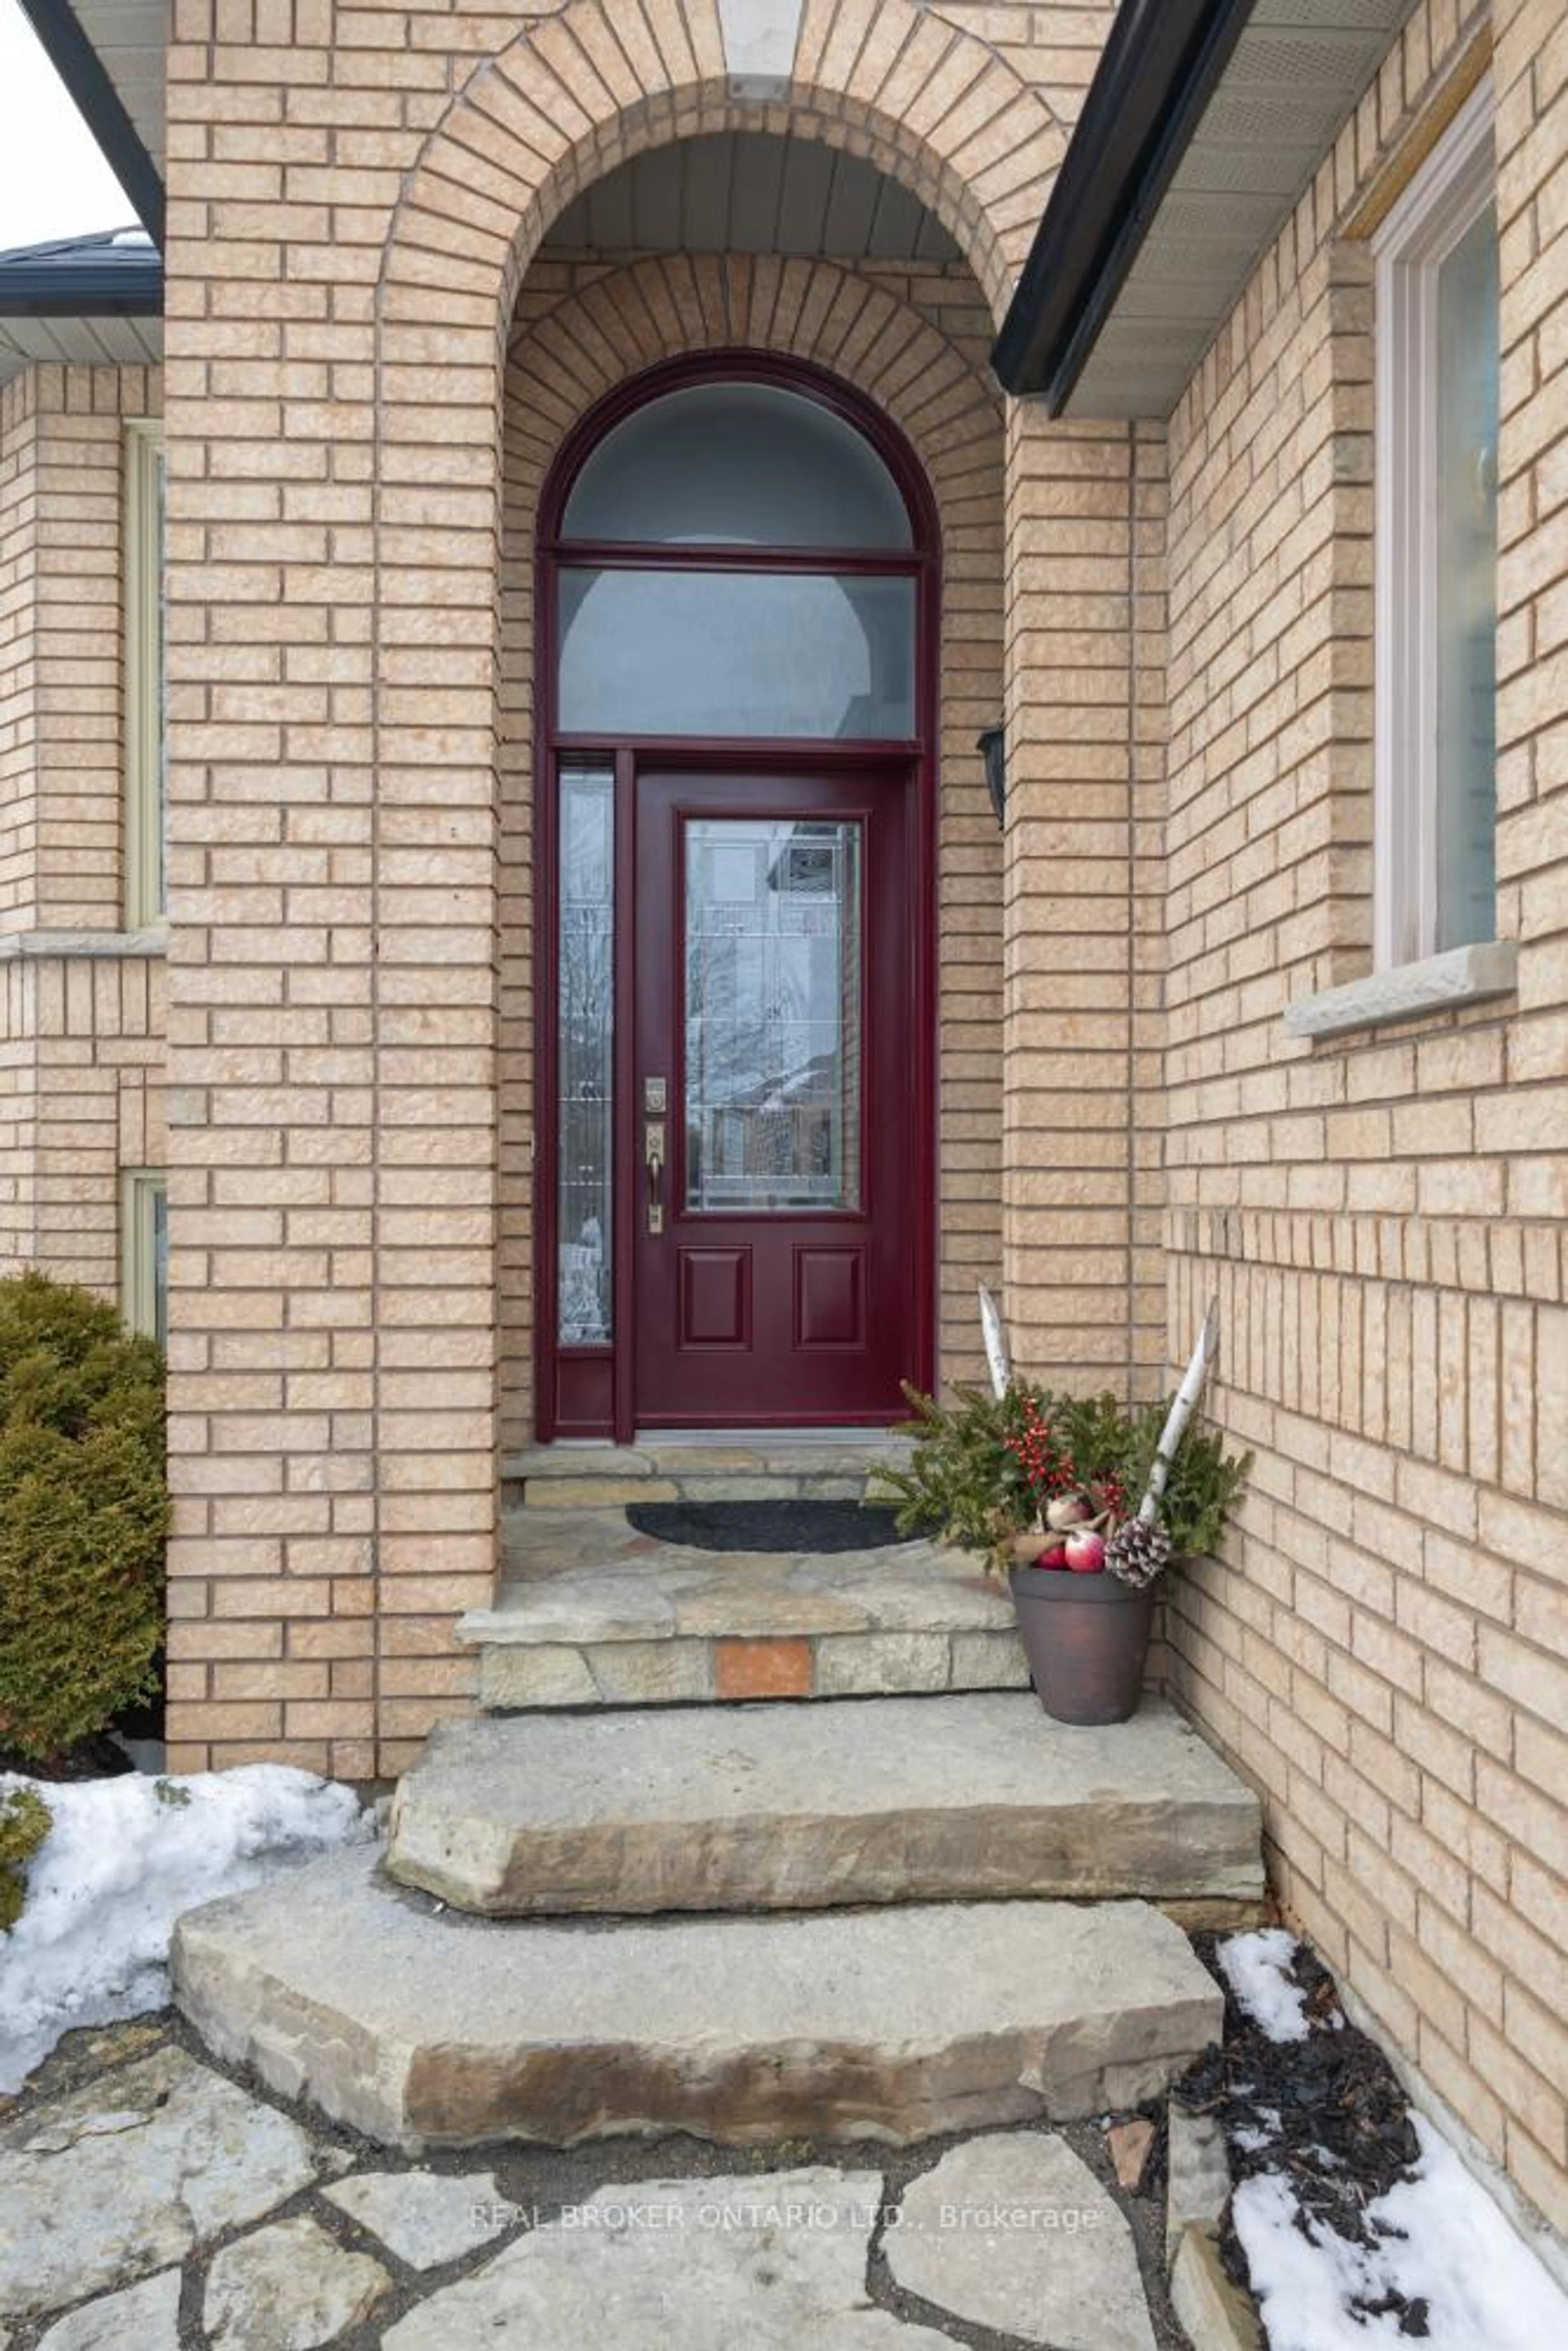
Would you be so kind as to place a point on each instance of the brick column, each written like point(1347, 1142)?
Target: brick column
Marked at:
point(1072, 996)
point(273, 1150)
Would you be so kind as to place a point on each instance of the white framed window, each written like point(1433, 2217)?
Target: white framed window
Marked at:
point(144, 1251)
point(1437, 401)
point(145, 796)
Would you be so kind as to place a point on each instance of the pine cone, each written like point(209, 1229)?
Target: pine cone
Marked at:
point(1138, 1551)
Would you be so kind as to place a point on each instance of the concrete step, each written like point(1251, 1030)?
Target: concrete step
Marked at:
point(856, 1801)
point(763, 1469)
point(423, 2027)
point(595, 1615)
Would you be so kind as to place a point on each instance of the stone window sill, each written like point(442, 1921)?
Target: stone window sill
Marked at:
point(46, 946)
point(1440, 983)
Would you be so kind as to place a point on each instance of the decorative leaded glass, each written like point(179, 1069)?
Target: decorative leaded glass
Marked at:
point(772, 1015)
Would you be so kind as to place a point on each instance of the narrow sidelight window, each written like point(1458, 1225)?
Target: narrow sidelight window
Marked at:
point(144, 1252)
point(146, 821)
point(585, 987)
point(1437, 402)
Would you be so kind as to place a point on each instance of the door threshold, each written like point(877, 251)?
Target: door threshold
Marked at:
point(849, 1434)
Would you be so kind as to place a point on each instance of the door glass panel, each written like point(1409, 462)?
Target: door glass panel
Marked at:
point(737, 652)
point(1467, 401)
point(738, 464)
point(772, 1015)
point(583, 1057)
point(161, 1265)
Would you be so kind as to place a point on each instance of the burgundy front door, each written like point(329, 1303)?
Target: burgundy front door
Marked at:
point(778, 1254)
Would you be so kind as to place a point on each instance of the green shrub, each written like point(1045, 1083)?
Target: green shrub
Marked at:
point(25, 1821)
point(967, 1483)
point(84, 1512)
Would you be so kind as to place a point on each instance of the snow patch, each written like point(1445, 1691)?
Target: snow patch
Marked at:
point(1258, 1969)
point(124, 1858)
point(1441, 2239)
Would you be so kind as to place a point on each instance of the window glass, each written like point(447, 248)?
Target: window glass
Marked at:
point(1467, 427)
point(742, 654)
point(584, 1058)
point(146, 813)
point(159, 1244)
point(1438, 371)
point(144, 1253)
point(741, 464)
point(772, 1015)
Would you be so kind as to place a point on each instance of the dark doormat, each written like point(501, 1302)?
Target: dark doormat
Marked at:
point(766, 1526)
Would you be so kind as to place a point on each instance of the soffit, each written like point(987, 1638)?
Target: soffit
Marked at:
point(748, 191)
point(79, 342)
point(81, 301)
point(131, 39)
point(1297, 72)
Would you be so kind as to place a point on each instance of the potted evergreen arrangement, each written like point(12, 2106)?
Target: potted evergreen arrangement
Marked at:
point(1084, 1503)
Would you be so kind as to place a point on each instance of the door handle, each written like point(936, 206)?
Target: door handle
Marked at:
point(653, 1158)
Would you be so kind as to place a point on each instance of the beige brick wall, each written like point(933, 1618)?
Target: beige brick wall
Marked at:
point(19, 586)
point(914, 341)
point(1081, 1107)
point(19, 768)
point(19, 1115)
point(97, 1039)
point(1054, 48)
point(1381, 1216)
point(61, 618)
point(82, 1044)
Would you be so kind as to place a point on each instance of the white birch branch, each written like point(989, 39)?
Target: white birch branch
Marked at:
point(1182, 1407)
point(997, 1354)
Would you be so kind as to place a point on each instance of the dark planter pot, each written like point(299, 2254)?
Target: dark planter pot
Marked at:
point(1086, 1637)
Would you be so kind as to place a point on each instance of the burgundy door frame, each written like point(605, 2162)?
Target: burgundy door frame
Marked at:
point(760, 1365)
point(588, 1391)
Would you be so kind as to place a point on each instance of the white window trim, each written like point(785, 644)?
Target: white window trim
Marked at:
point(1457, 180)
point(141, 1188)
point(143, 589)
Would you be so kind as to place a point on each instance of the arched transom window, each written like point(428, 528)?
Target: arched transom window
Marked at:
point(735, 559)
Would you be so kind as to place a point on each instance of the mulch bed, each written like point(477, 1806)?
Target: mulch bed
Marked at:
point(97, 1757)
point(767, 1526)
point(1327, 2112)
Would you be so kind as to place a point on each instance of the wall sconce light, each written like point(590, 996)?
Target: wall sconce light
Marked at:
point(994, 746)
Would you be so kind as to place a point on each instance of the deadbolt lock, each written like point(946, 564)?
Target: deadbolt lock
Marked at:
point(655, 1095)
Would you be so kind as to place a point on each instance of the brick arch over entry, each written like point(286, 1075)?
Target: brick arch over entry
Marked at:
point(567, 357)
point(576, 94)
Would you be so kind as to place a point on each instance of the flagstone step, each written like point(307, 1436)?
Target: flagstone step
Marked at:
point(855, 1800)
point(595, 1613)
point(763, 1469)
point(422, 2027)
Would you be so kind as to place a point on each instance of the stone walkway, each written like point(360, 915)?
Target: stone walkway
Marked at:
point(151, 2202)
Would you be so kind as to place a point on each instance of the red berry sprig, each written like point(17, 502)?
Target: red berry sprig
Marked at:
point(1047, 1472)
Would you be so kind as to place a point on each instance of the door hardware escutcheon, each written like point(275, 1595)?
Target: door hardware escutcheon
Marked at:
point(655, 1095)
point(654, 1157)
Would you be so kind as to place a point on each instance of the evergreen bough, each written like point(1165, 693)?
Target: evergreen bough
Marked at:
point(965, 1485)
point(25, 1821)
point(84, 1513)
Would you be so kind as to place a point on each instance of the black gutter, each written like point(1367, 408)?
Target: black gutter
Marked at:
point(1157, 72)
point(76, 289)
point(81, 69)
